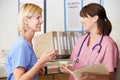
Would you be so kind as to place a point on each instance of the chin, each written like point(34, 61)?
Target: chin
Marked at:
point(37, 30)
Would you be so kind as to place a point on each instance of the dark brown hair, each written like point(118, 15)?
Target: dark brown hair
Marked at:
point(103, 23)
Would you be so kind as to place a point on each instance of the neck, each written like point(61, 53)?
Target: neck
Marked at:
point(93, 37)
point(28, 36)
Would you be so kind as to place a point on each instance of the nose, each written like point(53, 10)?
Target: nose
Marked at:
point(81, 20)
point(41, 20)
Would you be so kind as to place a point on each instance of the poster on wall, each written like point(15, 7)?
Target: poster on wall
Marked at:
point(72, 13)
point(85, 2)
point(37, 2)
point(72, 18)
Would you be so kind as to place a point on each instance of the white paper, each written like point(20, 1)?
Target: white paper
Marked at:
point(98, 69)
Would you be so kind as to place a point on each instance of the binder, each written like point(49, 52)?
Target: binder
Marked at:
point(72, 37)
point(45, 42)
point(62, 42)
point(65, 42)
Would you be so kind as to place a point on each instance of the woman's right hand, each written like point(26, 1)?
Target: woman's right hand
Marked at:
point(64, 70)
point(48, 55)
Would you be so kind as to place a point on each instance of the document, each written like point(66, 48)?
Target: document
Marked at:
point(98, 69)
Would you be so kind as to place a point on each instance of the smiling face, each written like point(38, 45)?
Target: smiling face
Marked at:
point(30, 18)
point(34, 23)
point(88, 23)
point(94, 19)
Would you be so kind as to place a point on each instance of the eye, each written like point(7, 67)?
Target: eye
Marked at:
point(38, 17)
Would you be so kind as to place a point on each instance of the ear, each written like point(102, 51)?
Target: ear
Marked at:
point(95, 18)
point(26, 20)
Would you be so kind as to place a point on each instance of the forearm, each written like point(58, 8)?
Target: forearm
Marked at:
point(47, 56)
point(33, 71)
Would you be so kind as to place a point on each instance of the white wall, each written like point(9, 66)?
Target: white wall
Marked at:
point(8, 22)
point(55, 15)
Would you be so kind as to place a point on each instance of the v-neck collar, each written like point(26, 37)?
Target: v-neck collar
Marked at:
point(93, 43)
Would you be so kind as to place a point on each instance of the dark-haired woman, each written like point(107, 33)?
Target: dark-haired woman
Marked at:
point(96, 46)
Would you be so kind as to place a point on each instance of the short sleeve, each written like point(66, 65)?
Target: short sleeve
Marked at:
point(20, 57)
point(111, 57)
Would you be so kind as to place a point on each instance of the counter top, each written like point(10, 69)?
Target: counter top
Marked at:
point(3, 54)
point(51, 68)
point(2, 71)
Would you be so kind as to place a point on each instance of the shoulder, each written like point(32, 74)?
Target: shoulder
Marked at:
point(108, 40)
point(19, 44)
point(109, 44)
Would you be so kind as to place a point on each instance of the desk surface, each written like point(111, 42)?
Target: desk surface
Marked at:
point(2, 71)
point(50, 65)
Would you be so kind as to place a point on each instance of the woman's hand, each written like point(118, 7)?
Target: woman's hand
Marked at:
point(62, 69)
point(48, 55)
point(65, 65)
point(42, 71)
point(87, 76)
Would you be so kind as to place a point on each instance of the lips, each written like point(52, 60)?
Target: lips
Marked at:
point(39, 25)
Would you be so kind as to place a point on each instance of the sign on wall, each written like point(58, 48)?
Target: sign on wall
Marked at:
point(72, 18)
point(71, 11)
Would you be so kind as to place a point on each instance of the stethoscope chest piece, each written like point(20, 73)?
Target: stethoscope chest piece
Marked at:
point(76, 60)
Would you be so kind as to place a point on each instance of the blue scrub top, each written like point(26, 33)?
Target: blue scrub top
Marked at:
point(21, 54)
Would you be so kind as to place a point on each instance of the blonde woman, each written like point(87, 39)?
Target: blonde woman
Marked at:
point(21, 62)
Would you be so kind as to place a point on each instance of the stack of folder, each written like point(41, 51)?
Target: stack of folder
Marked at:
point(62, 42)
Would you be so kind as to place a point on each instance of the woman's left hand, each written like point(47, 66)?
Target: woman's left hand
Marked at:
point(42, 71)
point(86, 76)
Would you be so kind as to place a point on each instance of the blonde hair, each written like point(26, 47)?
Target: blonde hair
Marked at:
point(27, 10)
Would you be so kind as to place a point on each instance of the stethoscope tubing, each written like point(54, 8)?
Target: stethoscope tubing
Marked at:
point(99, 44)
point(82, 46)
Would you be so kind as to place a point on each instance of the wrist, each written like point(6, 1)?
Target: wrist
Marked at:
point(40, 62)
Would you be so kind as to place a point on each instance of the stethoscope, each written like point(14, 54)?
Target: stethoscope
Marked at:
point(99, 44)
